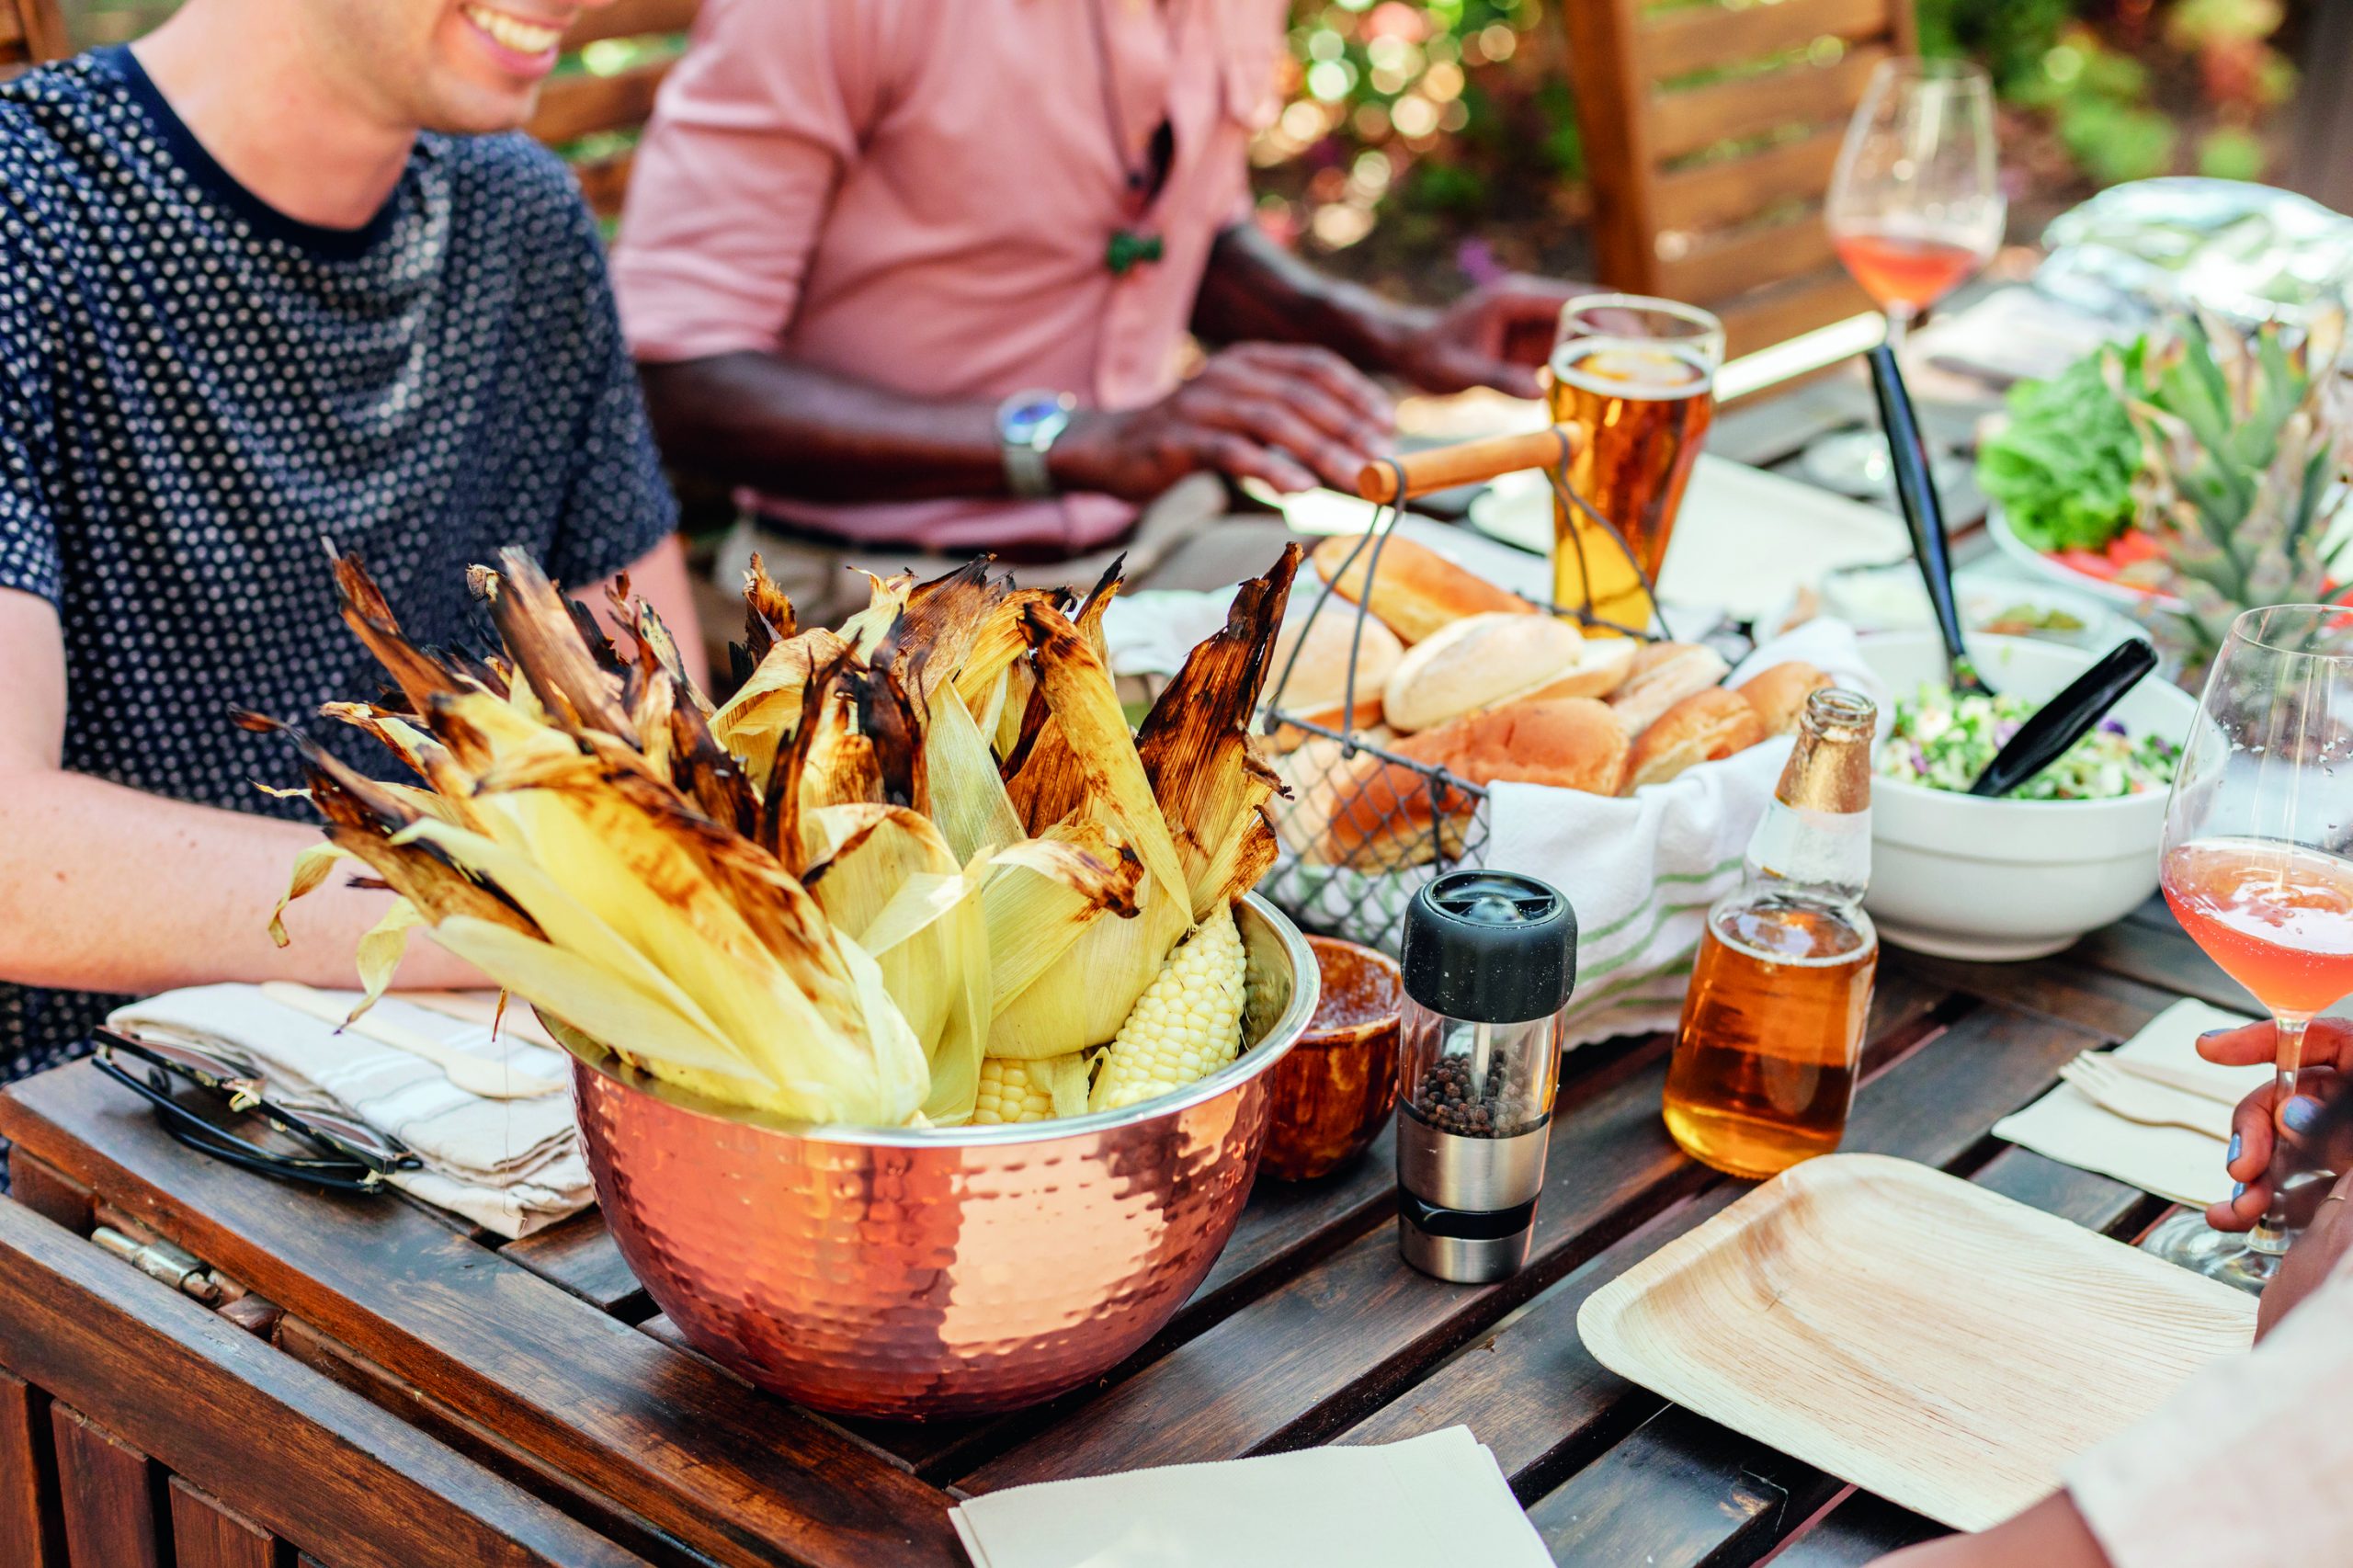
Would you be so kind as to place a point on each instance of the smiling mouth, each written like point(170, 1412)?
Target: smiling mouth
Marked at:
point(513, 32)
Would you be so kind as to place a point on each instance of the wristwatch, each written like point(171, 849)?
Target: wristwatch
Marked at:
point(1026, 427)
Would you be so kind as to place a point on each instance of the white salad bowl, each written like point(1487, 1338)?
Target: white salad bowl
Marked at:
point(1995, 881)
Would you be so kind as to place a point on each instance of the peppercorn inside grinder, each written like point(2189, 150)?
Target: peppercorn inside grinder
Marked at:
point(1489, 960)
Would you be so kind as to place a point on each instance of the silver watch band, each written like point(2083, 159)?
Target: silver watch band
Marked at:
point(1027, 424)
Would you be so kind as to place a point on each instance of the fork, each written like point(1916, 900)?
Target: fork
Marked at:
point(477, 1075)
point(2137, 1099)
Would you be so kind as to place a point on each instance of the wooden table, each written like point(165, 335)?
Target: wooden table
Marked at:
point(409, 1394)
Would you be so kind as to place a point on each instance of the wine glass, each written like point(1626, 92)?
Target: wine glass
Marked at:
point(1913, 208)
point(1915, 211)
point(2257, 870)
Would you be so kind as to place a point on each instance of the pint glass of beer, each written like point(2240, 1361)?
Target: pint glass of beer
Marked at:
point(1640, 375)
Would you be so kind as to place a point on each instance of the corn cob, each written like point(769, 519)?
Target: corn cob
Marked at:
point(1187, 1025)
point(1031, 1091)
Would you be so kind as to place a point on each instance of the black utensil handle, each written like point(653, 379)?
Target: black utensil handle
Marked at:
point(1918, 492)
point(2061, 722)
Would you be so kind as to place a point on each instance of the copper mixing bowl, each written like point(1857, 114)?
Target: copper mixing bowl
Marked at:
point(909, 1274)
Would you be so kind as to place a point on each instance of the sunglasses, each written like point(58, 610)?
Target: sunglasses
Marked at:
point(345, 1155)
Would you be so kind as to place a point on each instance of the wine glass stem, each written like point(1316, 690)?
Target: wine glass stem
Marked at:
point(1899, 326)
point(2272, 1235)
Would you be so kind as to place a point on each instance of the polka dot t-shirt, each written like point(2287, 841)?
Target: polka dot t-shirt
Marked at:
point(195, 389)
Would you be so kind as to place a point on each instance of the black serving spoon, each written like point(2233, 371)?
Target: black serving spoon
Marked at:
point(2061, 722)
point(1923, 514)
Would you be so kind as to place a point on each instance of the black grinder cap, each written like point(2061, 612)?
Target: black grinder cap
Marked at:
point(1490, 947)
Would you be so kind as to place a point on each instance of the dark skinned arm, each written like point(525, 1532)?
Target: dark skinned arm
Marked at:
point(1293, 416)
point(1494, 337)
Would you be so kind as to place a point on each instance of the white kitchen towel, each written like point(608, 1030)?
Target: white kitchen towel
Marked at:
point(512, 1166)
point(2172, 1162)
point(1641, 871)
point(1430, 1502)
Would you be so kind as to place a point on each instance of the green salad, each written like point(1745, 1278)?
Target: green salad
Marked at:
point(1945, 742)
point(2063, 467)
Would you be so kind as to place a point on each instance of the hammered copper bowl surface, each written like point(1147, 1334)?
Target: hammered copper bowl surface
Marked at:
point(957, 1272)
point(1334, 1093)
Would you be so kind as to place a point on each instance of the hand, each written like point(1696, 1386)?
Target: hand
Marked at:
point(2328, 1052)
point(2312, 1259)
point(1294, 418)
point(1496, 336)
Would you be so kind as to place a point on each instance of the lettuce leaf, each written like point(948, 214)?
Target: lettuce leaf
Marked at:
point(2063, 467)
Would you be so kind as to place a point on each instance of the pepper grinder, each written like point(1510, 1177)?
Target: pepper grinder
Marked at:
point(1489, 960)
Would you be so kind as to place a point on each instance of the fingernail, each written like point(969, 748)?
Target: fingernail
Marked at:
point(2217, 1034)
point(2233, 1157)
point(2300, 1114)
point(2238, 1190)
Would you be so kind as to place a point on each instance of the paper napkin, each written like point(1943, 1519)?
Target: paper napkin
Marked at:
point(2171, 1162)
point(512, 1166)
point(1425, 1502)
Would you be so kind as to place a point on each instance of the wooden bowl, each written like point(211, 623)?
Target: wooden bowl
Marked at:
point(1333, 1093)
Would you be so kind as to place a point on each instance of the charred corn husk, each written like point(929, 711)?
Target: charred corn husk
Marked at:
point(1187, 1025)
point(916, 872)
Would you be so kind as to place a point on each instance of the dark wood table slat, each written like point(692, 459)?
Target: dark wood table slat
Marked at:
point(1857, 1530)
point(1264, 1377)
point(208, 1533)
point(1268, 1376)
point(407, 1402)
point(581, 1255)
point(147, 1381)
point(1539, 1399)
point(31, 1526)
point(2164, 958)
point(732, 1473)
point(1679, 1493)
point(51, 1194)
point(109, 1490)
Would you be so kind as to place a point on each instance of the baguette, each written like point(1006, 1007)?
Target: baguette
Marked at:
point(1417, 592)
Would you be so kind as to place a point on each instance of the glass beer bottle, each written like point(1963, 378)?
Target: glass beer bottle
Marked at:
point(1772, 1035)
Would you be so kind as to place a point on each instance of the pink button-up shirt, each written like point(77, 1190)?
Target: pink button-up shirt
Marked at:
point(920, 193)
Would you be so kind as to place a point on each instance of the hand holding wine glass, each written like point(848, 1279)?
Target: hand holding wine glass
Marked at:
point(2256, 869)
point(2258, 1125)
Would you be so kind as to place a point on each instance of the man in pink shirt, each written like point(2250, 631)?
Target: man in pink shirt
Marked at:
point(917, 275)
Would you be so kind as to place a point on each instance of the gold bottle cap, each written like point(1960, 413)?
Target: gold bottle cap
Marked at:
point(1830, 770)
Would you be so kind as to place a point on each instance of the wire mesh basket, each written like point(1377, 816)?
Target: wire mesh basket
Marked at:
point(1368, 823)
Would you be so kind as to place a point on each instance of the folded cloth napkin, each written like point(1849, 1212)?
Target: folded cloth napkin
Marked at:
point(512, 1166)
point(1642, 871)
point(1428, 1502)
point(2172, 1162)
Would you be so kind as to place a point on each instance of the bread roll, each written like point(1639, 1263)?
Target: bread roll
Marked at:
point(1317, 689)
point(1706, 726)
point(1419, 592)
point(1664, 675)
point(1779, 693)
point(1599, 669)
point(1482, 660)
point(1380, 816)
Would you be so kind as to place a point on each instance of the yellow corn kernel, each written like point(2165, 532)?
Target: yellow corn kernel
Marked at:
point(1015, 1092)
point(1187, 1025)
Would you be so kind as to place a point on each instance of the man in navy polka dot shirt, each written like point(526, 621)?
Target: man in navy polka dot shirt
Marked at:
point(267, 278)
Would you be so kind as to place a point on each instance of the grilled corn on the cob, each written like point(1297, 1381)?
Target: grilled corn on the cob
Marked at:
point(1031, 1091)
point(1187, 1025)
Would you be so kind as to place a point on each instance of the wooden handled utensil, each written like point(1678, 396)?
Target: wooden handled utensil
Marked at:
point(1470, 462)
